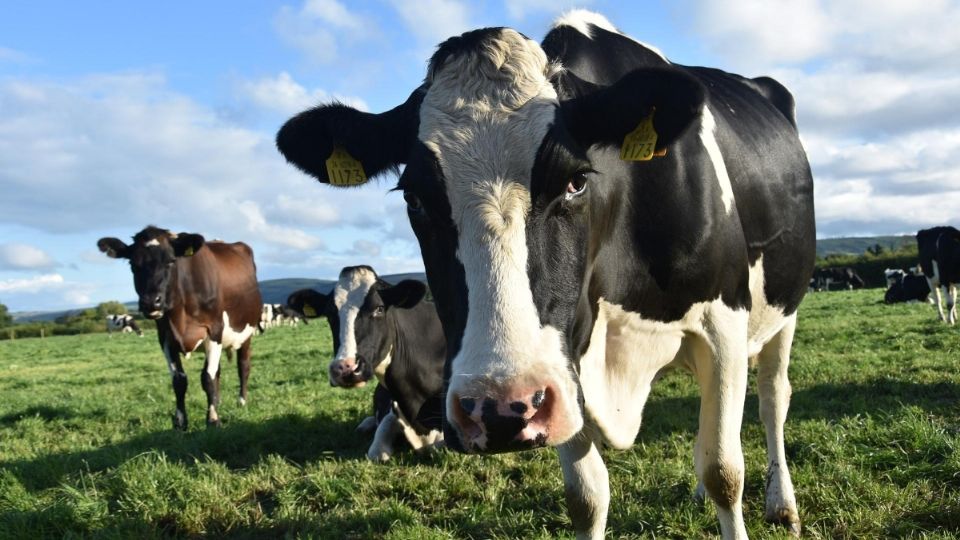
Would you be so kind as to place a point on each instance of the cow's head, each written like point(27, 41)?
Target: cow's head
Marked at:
point(153, 256)
point(510, 168)
point(359, 312)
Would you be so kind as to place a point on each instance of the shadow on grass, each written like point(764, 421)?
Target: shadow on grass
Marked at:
point(238, 445)
point(831, 401)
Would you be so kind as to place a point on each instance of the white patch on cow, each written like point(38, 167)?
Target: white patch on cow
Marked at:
point(765, 320)
point(382, 446)
point(152, 243)
point(581, 19)
point(585, 477)
point(381, 370)
point(708, 127)
point(212, 351)
point(233, 339)
point(418, 442)
point(484, 117)
point(348, 296)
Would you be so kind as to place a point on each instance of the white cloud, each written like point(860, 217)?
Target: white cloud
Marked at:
point(15, 256)
point(365, 248)
point(318, 27)
point(433, 21)
point(519, 9)
point(284, 95)
point(33, 284)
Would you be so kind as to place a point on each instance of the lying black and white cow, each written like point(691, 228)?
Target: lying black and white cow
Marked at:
point(825, 279)
point(940, 265)
point(122, 323)
point(905, 287)
point(393, 333)
point(589, 213)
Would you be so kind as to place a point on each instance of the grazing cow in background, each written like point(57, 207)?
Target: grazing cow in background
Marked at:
point(846, 277)
point(905, 287)
point(391, 332)
point(200, 293)
point(122, 323)
point(928, 242)
point(589, 213)
point(278, 314)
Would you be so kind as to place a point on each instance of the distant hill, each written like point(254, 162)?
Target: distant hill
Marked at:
point(856, 245)
point(273, 291)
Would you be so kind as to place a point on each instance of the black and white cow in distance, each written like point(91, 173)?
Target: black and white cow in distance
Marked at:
point(393, 333)
point(273, 315)
point(940, 265)
point(566, 277)
point(122, 323)
point(200, 293)
point(825, 279)
point(905, 286)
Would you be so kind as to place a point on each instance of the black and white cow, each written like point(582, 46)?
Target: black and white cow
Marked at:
point(393, 333)
point(940, 271)
point(122, 323)
point(201, 294)
point(273, 315)
point(567, 273)
point(905, 287)
point(825, 279)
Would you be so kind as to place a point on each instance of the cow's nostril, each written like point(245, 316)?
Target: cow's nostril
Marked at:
point(538, 398)
point(518, 407)
point(467, 405)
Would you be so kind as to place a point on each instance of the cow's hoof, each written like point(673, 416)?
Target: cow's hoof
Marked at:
point(214, 423)
point(378, 456)
point(242, 401)
point(786, 517)
point(699, 494)
point(180, 421)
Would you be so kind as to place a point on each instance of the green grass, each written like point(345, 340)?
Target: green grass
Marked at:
point(87, 449)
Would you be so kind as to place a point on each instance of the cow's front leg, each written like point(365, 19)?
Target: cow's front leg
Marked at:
point(243, 369)
point(773, 388)
point(950, 291)
point(382, 446)
point(721, 369)
point(179, 379)
point(210, 379)
point(937, 299)
point(586, 485)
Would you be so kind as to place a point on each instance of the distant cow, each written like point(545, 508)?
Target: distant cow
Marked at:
point(277, 314)
point(200, 293)
point(905, 287)
point(939, 273)
point(826, 278)
point(393, 333)
point(122, 323)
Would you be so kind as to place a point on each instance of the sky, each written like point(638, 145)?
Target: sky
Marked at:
point(119, 114)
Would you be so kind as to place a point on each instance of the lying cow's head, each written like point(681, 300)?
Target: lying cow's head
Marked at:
point(510, 168)
point(153, 256)
point(358, 311)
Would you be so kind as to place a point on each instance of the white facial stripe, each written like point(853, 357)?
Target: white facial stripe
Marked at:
point(708, 129)
point(348, 296)
point(485, 132)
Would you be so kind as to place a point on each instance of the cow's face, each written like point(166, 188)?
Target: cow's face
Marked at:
point(506, 184)
point(153, 257)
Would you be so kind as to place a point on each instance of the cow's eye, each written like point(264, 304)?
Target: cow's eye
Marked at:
point(413, 203)
point(576, 186)
point(378, 311)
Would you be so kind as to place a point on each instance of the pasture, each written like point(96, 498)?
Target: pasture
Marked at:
point(87, 449)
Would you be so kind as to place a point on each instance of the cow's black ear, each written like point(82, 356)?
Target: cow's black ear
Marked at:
point(605, 115)
point(405, 294)
point(114, 248)
point(379, 142)
point(186, 244)
point(309, 302)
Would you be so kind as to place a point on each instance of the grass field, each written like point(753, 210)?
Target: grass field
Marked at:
point(87, 450)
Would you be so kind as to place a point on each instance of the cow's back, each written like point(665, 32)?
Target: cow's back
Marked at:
point(222, 277)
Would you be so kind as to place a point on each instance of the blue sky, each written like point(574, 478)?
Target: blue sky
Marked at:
point(117, 114)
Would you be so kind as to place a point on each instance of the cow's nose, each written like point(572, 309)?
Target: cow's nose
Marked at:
point(158, 301)
point(518, 422)
point(345, 372)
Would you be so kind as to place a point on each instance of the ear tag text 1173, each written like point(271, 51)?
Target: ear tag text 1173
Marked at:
point(639, 144)
point(344, 170)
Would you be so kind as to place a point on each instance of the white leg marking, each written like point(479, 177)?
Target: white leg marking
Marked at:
point(951, 290)
point(382, 447)
point(934, 282)
point(586, 486)
point(212, 351)
point(418, 442)
point(773, 388)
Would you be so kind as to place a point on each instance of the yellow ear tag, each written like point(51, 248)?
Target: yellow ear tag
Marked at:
point(188, 252)
point(344, 170)
point(639, 144)
point(309, 311)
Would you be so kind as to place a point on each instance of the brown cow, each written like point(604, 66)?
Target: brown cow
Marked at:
point(200, 293)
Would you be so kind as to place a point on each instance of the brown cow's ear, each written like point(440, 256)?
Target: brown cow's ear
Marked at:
point(114, 248)
point(342, 146)
point(669, 98)
point(405, 294)
point(186, 244)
